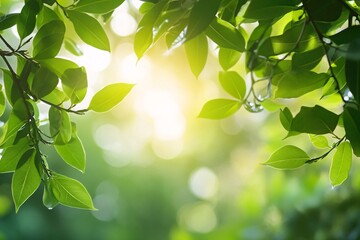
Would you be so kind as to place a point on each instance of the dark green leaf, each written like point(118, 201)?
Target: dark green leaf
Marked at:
point(48, 40)
point(219, 108)
point(8, 20)
point(315, 120)
point(259, 9)
point(296, 83)
point(341, 164)
point(307, 60)
point(89, 30)
point(12, 154)
point(11, 92)
point(352, 73)
point(199, 19)
point(347, 35)
point(109, 97)
point(352, 128)
point(97, 6)
point(74, 83)
point(196, 53)
point(73, 152)
point(226, 35)
point(26, 178)
point(233, 84)
point(288, 157)
point(26, 20)
point(228, 58)
point(70, 192)
point(44, 82)
point(329, 11)
point(60, 126)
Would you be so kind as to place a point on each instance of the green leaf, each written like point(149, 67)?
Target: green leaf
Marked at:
point(319, 141)
point(289, 41)
point(72, 47)
point(315, 120)
point(73, 152)
point(74, 83)
point(27, 18)
point(70, 192)
point(58, 65)
point(8, 20)
point(11, 92)
point(228, 58)
point(259, 9)
point(226, 35)
point(60, 126)
point(48, 40)
point(12, 154)
point(143, 40)
point(109, 97)
point(196, 53)
point(199, 19)
point(295, 83)
point(97, 6)
point(89, 30)
point(341, 164)
point(56, 97)
point(49, 200)
point(307, 60)
point(286, 118)
point(233, 84)
point(2, 101)
point(26, 178)
point(45, 16)
point(219, 108)
point(347, 35)
point(352, 128)
point(287, 157)
point(44, 82)
point(329, 11)
point(352, 73)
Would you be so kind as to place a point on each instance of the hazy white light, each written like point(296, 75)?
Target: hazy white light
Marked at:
point(93, 59)
point(199, 218)
point(133, 71)
point(107, 207)
point(167, 149)
point(104, 137)
point(204, 183)
point(136, 3)
point(114, 159)
point(164, 109)
point(123, 24)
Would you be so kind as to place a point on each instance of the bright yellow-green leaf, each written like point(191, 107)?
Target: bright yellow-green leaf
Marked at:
point(197, 52)
point(109, 97)
point(219, 108)
point(12, 154)
point(97, 6)
point(233, 84)
point(287, 157)
point(319, 141)
point(341, 164)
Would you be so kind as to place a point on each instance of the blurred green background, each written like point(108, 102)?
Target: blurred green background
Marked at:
point(156, 171)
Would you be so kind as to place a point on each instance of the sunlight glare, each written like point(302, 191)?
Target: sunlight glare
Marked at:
point(204, 183)
point(133, 71)
point(93, 59)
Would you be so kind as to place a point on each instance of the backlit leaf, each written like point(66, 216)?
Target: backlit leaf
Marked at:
point(74, 83)
point(97, 6)
point(89, 30)
point(196, 53)
point(287, 157)
point(58, 65)
point(109, 97)
point(233, 84)
point(2, 101)
point(228, 58)
point(26, 178)
point(341, 164)
point(60, 125)
point(73, 152)
point(70, 192)
point(8, 20)
point(48, 40)
point(219, 108)
point(352, 72)
point(44, 82)
point(49, 199)
point(12, 154)
point(286, 118)
point(319, 141)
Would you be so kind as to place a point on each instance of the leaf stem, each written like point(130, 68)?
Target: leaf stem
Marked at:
point(335, 145)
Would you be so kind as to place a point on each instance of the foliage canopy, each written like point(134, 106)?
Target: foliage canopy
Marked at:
point(288, 49)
